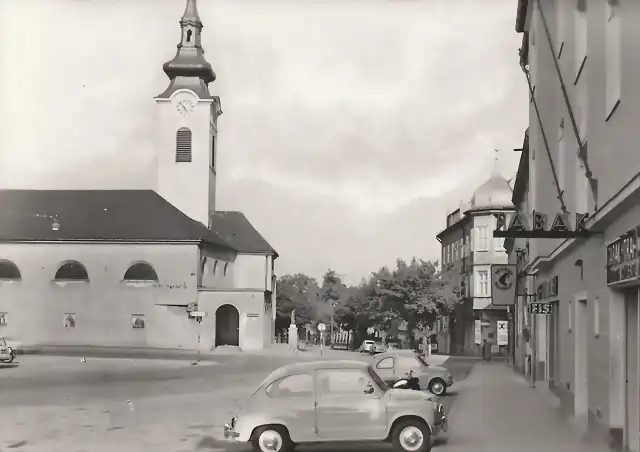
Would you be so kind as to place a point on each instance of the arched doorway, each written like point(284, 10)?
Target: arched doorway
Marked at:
point(227, 326)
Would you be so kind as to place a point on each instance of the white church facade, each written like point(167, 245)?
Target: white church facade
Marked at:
point(126, 267)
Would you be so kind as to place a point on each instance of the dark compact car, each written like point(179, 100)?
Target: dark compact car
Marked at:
point(395, 364)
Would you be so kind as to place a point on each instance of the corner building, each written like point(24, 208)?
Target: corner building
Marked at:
point(581, 153)
point(469, 247)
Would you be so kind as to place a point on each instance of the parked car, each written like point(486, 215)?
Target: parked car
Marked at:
point(333, 402)
point(395, 364)
point(378, 347)
point(7, 354)
point(366, 346)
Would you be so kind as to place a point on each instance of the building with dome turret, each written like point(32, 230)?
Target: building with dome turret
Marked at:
point(468, 246)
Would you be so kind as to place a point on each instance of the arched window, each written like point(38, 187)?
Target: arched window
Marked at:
point(9, 270)
point(215, 267)
point(141, 272)
point(72, 271)
point(189, 33)
point(183, 145)
point(203, 265)
point(226, 267)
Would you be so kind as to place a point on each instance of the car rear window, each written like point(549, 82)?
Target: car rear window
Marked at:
point(298, 385)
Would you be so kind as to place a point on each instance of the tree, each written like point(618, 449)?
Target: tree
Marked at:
point(417, 294)
point(332, 287)
point(297, 292)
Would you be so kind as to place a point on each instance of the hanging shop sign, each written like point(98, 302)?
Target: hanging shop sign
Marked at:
point(559, 228)
point(541, 308)
point(547, 289)
point(503, 285)
point(503, 332)
point(623, 259)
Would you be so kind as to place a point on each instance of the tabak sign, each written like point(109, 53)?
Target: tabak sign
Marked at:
point(540, 227)
point(623, 258)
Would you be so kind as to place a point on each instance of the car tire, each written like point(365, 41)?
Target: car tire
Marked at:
point(438, 387)
point(270, 433)
point(406, 432)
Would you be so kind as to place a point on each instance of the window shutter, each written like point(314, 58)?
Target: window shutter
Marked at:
point(183, 145)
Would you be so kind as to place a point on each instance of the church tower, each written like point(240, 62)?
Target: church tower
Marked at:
point(186, 125)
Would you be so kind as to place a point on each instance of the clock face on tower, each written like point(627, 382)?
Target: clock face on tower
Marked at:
point(184, 103)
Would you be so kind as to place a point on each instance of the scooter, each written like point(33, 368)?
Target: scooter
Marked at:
point(410, 382)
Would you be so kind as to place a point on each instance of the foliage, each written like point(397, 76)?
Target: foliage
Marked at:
point(413, 294)
point(297, 292)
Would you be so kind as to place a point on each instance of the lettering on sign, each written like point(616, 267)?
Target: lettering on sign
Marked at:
point(541, 308)
point(548, 289)
point(623, 258)
point(559, 228)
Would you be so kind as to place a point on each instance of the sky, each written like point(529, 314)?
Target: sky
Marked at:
point(350, 128)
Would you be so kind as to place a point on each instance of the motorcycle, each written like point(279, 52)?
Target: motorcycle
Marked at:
point(410, 382)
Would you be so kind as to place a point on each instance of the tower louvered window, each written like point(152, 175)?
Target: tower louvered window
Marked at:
point(183, 145)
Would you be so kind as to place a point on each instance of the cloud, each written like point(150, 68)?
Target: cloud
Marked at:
point(337, 110)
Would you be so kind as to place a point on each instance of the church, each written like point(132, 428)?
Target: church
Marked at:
point(142, 268)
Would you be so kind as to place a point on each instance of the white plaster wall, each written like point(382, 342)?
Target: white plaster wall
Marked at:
point(187, 186)
point(103, 306)
point(250, 305)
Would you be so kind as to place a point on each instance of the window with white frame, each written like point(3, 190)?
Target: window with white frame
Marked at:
point(582, 187)
point(562, 156)
point(580, 36)
point(483, 243)
point(581, 102)
point(561, 8)
point(596, 317)
point(483, 283)
point(613, 56)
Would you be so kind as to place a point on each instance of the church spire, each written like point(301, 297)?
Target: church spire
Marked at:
point(189, 69)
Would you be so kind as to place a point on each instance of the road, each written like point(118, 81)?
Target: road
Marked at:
point(61, 403)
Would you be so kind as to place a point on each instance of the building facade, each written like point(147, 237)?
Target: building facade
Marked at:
point(578, 56)
point(145, 268)
point(468, 247)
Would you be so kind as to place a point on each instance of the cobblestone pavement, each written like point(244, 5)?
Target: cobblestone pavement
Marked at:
point(497, 411)
point(52, 404)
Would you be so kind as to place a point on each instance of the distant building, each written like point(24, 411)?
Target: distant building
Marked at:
point(125, 267)
point(582, 152)
point(468, 246)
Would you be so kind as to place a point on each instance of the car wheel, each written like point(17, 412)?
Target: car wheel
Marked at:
point(411, 436)
point(271, 439)
point(438, 387)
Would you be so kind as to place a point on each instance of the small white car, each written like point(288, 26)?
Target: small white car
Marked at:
point(335, 402)
point(366, 346)
point(6, 353)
